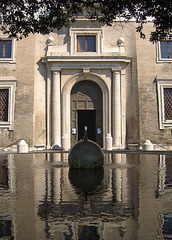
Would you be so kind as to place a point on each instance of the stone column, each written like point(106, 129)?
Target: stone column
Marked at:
point(116, 109)
point(123, 109)
point(56, 110)
point(48, 106)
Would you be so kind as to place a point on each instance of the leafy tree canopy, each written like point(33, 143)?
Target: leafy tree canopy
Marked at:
point(21, 17)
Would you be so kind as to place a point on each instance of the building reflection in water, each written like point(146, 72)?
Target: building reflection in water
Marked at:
point(164, 190)
point(7, 191)
point(41, 198)
point(96, 203)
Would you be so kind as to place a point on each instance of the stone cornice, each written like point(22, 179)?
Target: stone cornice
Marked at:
point(86, 61)
point(8, 78)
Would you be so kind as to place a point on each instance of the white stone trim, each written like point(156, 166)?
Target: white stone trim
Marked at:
point(163, 82)
point(92, 61)
point(9, 82)
point(158, 54)
point(13, 50)
point(66, 92)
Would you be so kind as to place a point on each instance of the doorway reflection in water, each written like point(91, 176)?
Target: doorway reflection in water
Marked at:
point(41, 198)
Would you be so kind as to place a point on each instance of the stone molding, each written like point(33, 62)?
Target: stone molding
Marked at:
point(66, 121)
point(163, 81)
point(9, 82)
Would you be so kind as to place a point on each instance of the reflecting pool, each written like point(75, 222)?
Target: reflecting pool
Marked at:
point(41, 198)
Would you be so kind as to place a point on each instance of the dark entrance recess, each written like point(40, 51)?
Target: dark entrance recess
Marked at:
point(87, 118)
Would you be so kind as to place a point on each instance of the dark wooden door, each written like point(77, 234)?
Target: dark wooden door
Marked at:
point(86, 110)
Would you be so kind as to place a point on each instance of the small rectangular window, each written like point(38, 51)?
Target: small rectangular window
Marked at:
point(86, 44)
point(166, 49)
point(4, 105)
point(5, 48)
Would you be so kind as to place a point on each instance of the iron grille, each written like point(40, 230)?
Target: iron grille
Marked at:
point(168, 103)
point(4, 104)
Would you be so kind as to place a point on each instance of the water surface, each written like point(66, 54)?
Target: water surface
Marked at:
point(41, 198)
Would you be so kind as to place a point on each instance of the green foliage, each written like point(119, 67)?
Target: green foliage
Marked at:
point(21, 17)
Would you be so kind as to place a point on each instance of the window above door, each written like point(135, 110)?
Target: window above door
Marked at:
point(87, 42)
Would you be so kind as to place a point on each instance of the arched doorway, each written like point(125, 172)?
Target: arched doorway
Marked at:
point(86, 110)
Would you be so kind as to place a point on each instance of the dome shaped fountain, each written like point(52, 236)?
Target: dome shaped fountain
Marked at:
point(86, 154)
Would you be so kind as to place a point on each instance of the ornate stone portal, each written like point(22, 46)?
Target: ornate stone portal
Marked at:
point(64, 72)
point(59, 127)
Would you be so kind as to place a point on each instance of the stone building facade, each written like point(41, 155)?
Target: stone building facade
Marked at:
point(87, 74)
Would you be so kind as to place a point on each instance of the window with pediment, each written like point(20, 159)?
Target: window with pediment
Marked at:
point(85, 41)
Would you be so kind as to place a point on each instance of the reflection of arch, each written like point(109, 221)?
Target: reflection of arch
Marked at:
point(66, 128)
